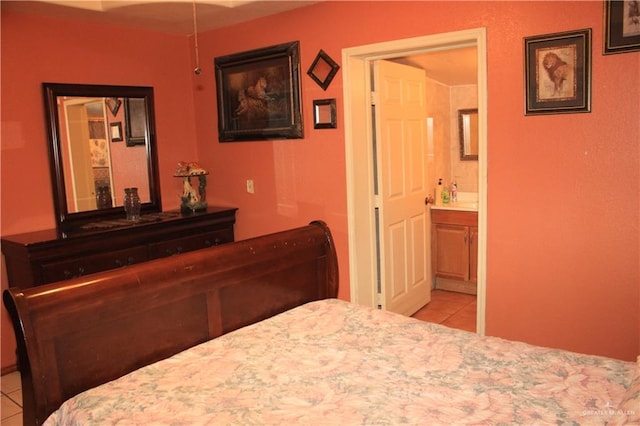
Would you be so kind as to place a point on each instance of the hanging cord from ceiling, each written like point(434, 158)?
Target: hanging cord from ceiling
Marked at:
point(197, 69)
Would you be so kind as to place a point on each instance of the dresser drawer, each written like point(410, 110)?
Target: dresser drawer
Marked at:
point(75, 267)
point(190, 243)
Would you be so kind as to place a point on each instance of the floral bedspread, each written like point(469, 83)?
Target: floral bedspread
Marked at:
point(335, 363)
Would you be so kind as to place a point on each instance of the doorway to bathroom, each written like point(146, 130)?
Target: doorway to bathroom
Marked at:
point(361, 200)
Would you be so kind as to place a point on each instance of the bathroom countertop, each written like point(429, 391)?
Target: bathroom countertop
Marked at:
point(460, 205)
point(467, 202)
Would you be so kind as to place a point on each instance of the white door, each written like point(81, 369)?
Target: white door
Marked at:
point(403, 218)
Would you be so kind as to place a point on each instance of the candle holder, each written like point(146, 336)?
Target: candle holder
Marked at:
point(192, 200)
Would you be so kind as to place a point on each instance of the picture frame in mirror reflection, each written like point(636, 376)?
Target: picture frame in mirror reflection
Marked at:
point(558, 73)
point(115, 131)
point(135, 113)
point(113, 104)
point(258, 94)
point(324, 114)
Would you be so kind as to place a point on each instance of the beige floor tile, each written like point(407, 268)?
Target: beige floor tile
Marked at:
point(9, 408)
point(10, 382)
point(15, 420)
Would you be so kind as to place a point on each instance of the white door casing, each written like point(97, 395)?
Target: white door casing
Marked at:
point(403, 217)
point(359, 156)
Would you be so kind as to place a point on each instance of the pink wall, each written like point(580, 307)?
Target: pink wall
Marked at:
point(36, 50)
point(564, 190)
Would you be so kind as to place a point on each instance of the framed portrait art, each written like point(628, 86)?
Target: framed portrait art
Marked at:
point(558, 73)
point(258, 94)
point(622, 26)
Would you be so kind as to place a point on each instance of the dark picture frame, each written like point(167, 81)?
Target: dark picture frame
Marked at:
point(115, 131)
point(113, 104)
point(324, 114)
point(258, 94)
point(621, 26)
point(558, 73)
point(323, 69)
point(135, 113)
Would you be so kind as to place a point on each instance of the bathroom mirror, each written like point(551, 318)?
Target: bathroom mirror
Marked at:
point(468, 132)
point(92, 159)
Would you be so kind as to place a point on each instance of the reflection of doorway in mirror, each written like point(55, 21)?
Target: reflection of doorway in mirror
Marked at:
point(89, 168)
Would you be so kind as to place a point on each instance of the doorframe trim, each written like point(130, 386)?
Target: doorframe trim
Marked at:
point(359, 155)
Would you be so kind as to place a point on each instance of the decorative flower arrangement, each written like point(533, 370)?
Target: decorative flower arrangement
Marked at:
point(192, 200)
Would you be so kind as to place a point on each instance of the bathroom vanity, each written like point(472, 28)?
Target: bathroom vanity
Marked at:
point(454, 246)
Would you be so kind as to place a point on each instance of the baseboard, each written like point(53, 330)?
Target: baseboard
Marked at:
point(9, 369)
point(467, 287)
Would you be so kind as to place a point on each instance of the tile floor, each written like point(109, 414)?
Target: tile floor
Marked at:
point(11, 409)
point(455, 310)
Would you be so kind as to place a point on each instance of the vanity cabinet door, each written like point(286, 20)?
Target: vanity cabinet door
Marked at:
point(452, 251)
point(473, 254)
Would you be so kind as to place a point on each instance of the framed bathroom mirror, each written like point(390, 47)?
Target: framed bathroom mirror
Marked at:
point(468, 133)
point(90, 162)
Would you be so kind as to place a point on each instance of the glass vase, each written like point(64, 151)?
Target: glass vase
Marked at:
point(132, 203)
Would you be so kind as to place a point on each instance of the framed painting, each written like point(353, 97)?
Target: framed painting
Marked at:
point(558, 73)
point(258, 94)
point(621, 26)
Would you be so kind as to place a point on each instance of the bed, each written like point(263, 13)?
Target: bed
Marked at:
point(252, 333)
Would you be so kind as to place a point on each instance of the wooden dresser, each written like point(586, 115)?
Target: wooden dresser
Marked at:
point(41, 257)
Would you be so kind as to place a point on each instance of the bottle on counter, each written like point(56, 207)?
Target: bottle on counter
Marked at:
point(439, 187)
point(445, 195)
point(454, 192)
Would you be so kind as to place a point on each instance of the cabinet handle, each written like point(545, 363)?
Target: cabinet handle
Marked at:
point(172, 252)
point(67, 274)
point(218, 241)
point(208, 243)
point(119, 263)
point(130, 260)
point(80, 270)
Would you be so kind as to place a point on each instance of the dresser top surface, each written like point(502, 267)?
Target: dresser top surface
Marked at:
point(117, 225)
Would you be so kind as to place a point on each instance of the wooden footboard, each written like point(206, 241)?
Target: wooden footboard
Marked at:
point(77, 334)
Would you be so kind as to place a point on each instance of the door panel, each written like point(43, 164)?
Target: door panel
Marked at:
point(404, 219)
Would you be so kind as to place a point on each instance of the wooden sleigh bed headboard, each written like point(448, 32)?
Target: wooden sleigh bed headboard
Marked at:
point(80, 333)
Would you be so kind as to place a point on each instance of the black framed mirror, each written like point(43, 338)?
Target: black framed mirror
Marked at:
point(90, 163)
point(323, 69)
point(324, 114)
point(468, 133)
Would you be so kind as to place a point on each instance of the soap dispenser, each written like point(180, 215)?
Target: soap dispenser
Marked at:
point(439, 188)
point(454, 192)
point(445, 195)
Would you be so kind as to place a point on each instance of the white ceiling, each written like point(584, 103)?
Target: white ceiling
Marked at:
point(450, 67)
point(168, 16)
point(453, 67)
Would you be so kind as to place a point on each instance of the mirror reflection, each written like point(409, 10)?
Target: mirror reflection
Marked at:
point(102, 140)
point(101, 167)
point(468, 131)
